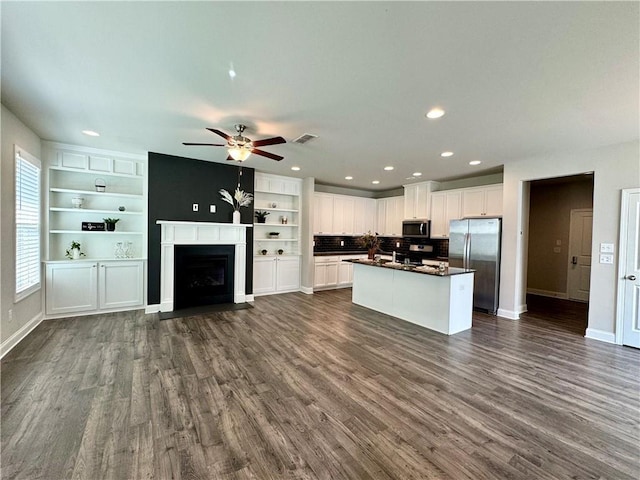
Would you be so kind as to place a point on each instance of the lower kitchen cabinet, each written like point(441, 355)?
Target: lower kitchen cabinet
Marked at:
point(93, 287)
point(332, 272)
point(276, 274)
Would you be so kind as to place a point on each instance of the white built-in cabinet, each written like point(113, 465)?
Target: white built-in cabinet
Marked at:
point(390, 213)
point(482, 201)
point(342, 214)
point(331, 271)
point(417, 198)
point(82, 286)
point(277, 270)
point(445, 206)
point(110, 185)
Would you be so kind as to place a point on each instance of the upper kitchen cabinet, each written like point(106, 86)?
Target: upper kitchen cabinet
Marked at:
point(342, 214)
point(482, 201)
point(445, 206)
point(390, 215)
point(417, 198)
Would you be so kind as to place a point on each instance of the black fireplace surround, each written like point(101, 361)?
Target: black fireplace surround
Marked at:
point(203, 275)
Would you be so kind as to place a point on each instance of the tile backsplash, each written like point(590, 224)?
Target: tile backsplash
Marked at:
point(338, 243)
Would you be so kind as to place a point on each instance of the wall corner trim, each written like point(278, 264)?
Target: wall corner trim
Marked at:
point(21, 334)
point(152, 308)
point(307, 290)
point(600, 335)
point(510, 314)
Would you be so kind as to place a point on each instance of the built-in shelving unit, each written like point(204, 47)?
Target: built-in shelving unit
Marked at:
point(110, 277)
point(276, 266)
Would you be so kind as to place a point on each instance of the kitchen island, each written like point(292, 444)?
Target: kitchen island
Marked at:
point(438, 300)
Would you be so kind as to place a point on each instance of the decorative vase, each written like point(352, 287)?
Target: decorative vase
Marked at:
point(236, 216)
point(262, 220)
point(75, 253)
point(111, 227)
point(77, 202)
point(371, 253)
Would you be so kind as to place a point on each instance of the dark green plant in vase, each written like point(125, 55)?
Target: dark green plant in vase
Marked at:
point(261, 216)
point(111, 223)
point(371, 242)
point(73, 252)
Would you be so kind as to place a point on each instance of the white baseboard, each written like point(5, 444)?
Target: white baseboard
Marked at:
point(307, 290)
point(510, 314)
point(17, 337)
point(249, 297)
point(600, 335)
point(547, 293)
point(152, 308)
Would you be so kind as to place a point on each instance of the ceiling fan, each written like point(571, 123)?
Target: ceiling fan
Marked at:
point(240, 147)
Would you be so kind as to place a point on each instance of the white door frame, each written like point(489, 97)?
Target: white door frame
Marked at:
point(622, 260)
point(573, 212)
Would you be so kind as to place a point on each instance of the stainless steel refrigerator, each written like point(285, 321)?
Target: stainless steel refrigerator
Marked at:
point(475, 243)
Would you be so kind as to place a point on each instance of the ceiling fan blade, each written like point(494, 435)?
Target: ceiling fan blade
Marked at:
point(269, 141)
point(219, 132)
point(205, 144)
point(272, 156)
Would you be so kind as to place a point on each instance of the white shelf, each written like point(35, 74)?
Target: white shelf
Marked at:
point(276, 239)
point(95, 259)
point(90, 192)
point(93, 232)
point(291, 210)
point(90, 210)
point(94, 173)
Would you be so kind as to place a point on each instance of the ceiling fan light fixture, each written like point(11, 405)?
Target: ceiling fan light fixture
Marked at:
point(239, 153)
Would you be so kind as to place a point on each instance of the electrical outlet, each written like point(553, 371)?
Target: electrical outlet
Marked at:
point(606, 258)
point(606, 248)
point(558, 242)
point(212, 209)
point(195, 207)
point(10, 315)
point(342, 243)
point(557, 249)
point(397, 244)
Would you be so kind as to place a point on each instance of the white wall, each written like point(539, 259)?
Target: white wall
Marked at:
point(29, 310)
point(615, 167)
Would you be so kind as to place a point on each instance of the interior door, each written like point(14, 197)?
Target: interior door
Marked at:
point(579, 273)
point(630, 288)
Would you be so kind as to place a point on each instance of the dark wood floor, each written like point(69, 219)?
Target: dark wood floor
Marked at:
point(311, 386)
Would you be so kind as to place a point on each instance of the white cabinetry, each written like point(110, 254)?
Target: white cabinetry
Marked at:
point(342, 214)
point(445, 206)
point(89, 286)
point(417, 197)
point(332, 272)
point(482, 201)
point(276, 272)
point(390, 216)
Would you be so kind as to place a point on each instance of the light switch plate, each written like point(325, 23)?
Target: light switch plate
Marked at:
point(195, 207)
point(606, 258)
point(558, 242)
point(606, 248)
point(212, 209)
point(557, 249)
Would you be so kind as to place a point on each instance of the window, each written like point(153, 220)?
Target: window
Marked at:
point(27, 223)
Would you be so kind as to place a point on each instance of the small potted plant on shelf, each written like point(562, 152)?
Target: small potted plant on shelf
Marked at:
point(261, 216)
point(73, 252)
point(111, 223)
point(371, 242)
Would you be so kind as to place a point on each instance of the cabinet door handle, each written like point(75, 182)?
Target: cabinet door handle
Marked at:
point(630, 277)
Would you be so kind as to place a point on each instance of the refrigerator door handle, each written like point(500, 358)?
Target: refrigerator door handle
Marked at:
point(467, 248)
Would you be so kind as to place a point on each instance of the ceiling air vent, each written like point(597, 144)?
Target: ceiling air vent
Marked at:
point(304, 138)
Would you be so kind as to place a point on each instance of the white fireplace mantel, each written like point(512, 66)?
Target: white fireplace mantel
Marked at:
point(201, 233)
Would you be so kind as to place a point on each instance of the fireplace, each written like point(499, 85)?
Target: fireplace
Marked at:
point(200, 234)
point(203, 275)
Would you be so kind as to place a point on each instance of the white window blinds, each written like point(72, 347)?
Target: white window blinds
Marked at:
point(27, 223)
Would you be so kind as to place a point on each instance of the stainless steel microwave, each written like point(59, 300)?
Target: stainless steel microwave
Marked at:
point(416, 228)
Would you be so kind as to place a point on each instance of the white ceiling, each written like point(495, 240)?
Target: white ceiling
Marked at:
point(516, 79)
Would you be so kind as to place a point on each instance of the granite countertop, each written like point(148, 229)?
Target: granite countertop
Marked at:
point(425, 269)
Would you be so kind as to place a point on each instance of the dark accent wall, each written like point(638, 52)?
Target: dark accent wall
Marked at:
point(175, 184)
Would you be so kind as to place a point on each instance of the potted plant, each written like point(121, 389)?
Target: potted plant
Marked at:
point(73, 252)
point(240, 199)
point(261, 216)
point(111, 223)
point(371, 242)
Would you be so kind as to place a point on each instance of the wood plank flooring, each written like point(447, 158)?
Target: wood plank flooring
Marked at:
point(313, 387)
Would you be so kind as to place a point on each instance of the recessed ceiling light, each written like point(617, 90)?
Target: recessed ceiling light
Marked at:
point(475, 162)
point(388, 168)
point(446, 154)
point(376, 182)
point(91, 133)
point(435, 113)
point(295, 169)
point(348, 177)
point(416, 174)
